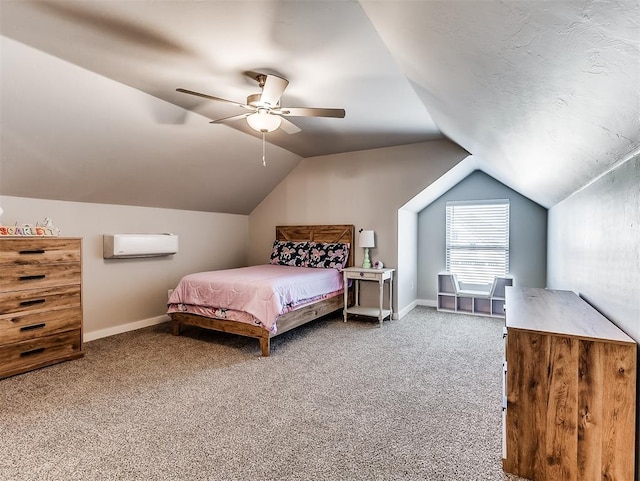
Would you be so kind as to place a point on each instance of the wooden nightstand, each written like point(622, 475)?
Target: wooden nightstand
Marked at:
point(376, 275)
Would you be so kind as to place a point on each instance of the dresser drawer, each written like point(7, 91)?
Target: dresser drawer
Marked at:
point(30, 326)
point(39, 250)
point(31, 354)
point(36, 300)
point(18, 278)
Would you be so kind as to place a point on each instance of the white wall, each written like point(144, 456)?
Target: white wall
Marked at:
point(407, 284)
point(122, 294)
point(364, 188)
point(594, 245)
point(594, 249)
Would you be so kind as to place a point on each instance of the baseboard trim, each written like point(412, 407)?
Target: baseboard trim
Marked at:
point(132, 326)
point(405, 311)
point(427, 303)
point(152, 321)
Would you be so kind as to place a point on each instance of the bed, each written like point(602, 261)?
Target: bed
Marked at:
point(293, 315)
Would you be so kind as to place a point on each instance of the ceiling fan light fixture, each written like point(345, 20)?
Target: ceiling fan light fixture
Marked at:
point(265, 112)
point(263, 121)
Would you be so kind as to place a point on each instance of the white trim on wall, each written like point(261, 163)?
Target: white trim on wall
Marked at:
point(406, 310)
point(132, 326)
point(426, 302)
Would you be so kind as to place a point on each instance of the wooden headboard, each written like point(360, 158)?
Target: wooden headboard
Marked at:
point(318, 233)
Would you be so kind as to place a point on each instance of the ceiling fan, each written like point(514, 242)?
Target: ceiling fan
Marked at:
point(265, 114)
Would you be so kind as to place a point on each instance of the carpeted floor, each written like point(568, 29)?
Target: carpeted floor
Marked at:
point(418, 399)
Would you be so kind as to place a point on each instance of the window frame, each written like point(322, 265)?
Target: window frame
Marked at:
point(474, 222)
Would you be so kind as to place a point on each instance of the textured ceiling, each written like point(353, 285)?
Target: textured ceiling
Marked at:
point(543, 94)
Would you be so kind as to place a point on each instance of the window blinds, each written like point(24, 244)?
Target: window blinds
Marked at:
point(478, 240)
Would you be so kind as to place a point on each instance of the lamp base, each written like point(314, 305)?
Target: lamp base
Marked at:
point(366, 264)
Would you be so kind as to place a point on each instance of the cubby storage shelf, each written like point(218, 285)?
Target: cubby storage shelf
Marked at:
point(453, 299)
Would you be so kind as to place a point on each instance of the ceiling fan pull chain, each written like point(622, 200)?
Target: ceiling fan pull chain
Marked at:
point(264, 161)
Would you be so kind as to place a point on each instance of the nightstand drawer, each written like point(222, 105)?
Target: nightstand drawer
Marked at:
point(30, 326)
point(18, 278)
point(39, 250)
point(26, 355)
point(363, 275)
point(39, 299)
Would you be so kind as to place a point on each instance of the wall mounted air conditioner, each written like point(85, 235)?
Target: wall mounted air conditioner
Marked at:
point(123, 246)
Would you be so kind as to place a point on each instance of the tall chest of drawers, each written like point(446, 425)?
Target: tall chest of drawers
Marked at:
point(40, 302)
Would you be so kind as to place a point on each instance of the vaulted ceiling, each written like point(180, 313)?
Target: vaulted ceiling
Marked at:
point(545, 95)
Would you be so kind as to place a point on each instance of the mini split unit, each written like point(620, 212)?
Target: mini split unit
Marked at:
point(124, 246)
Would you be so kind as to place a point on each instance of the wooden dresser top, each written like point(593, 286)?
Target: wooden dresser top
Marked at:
point(558, 312)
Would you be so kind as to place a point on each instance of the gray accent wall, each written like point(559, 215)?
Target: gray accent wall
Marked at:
point(527, 240)
point(594, 250)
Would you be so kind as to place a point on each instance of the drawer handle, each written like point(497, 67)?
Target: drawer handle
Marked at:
point(34, 251)
point(362, 274)
point(32, 278)
point(32, 327)
point(32, 302)
point(32, 352)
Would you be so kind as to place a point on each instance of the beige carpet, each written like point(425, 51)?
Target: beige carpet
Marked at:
point(418, 399)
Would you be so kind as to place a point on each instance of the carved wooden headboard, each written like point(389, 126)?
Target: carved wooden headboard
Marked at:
point(318, 233)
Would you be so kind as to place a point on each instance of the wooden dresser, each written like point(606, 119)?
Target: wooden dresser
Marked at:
point(40, 302)
point(570, 390)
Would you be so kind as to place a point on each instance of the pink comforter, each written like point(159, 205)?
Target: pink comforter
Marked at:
point(264, 291)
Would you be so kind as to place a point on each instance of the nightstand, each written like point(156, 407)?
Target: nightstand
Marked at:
point(374, 275)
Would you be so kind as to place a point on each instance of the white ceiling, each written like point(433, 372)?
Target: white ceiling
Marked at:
point(545, 95)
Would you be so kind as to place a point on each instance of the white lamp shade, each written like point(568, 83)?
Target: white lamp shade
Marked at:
point(264, 122)
point(366, 239)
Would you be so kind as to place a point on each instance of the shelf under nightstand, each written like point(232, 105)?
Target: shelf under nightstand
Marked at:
point(374, 275)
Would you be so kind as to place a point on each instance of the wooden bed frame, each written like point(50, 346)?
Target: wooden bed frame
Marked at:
point(290, 320)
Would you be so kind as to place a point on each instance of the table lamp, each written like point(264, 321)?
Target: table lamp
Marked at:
point(366, 240)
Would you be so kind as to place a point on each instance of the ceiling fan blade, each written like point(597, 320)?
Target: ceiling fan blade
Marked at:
point(232, 118)
point(289, 127)
point(272, 90)
point(312, 112)
point(210, 97)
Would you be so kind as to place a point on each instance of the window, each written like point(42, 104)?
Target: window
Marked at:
point(478, 240)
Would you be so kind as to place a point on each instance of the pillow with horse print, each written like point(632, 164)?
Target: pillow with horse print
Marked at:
point(287, 253)
point(328, 255)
